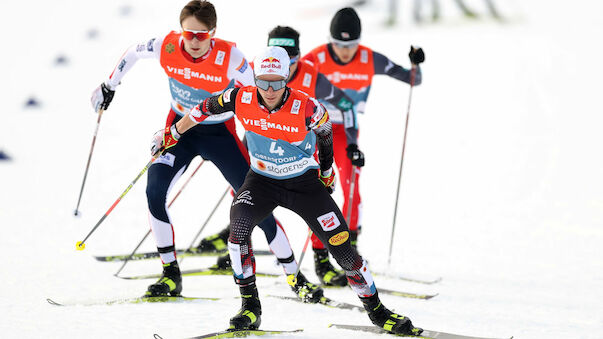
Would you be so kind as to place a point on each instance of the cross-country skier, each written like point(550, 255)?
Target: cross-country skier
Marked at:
point(283, 128)
point(351, 67)
point(198, 66)
point(304, 76)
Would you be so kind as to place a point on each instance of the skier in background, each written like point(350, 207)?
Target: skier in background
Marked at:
point(198, 66)
point(467, 12)
point(351, 67)
point(284, 127)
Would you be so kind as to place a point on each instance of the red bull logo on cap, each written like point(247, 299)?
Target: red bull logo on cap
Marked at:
point(271, 64)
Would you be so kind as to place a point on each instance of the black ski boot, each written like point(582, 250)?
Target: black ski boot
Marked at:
point(307, 291)
point(327, 274)
point(248, 317)
point(386, 319)
point(214, 243)
point(223, 262)
point(169, 283)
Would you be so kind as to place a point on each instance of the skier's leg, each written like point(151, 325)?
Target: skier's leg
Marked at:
point(320, 211)
point(252, 203)
point(162, 175)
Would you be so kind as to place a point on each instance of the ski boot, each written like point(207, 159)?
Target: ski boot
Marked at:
point(223, 262)
point(327, 274)
point(248, 317)
point(307, 291)
point(214, 243)
point(386, 319)
point(169, 283)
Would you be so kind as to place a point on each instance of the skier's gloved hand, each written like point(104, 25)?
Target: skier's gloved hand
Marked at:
point(355, 155)
point(164, 139)
point(328, 179)
point(416, 55)
point(101, 97)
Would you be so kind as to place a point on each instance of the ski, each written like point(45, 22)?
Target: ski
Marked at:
point(179, 252)
point(202, 271)
point(406, 294)
point(136, 300)
point(403, 278)
point(242, 333)
point(396, 293)
point(426, 334)
point(323, 301)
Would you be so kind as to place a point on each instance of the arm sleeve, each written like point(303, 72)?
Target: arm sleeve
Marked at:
point(239, 69)
point(317, 120)
point(385, 66)
point(217, 104)
point(325, 90)
point(150, 49)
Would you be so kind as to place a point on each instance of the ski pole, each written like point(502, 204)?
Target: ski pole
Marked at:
point(149, 231)
point(348, 217)
point(190, 247)
point(413, 72)
point(292, 278)
point(100, 113)
point(80, 245)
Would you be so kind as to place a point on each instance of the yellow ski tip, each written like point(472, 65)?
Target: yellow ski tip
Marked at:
point(80, 246)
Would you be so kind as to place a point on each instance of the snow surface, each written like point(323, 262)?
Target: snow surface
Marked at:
point(501, 192)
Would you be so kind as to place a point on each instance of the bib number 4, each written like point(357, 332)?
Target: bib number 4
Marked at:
point(276, 149)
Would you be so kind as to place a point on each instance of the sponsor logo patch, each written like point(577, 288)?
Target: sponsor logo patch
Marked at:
point(281, 42)
point(227, 95)
point(270, 64)
point(321, 57)
point(244, 198)
point(246, 97)
point(328, 221)
point(122, 64)
point(170, 48)
point(166, 159)
point(243, 66)
point(296, 106)
point(307, 80)
point(150, 45)
point(364, 56)
point(339, 238)
point(261, 165)
point(220, 58)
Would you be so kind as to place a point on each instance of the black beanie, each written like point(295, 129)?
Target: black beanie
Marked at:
point(285, 37)
point(345, 25)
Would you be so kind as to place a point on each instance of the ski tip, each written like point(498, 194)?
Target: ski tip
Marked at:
point(157, 336)
point(429, 296)
point(52, 302)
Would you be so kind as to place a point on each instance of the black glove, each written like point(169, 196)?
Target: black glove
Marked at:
point(416, 55)
point(355, 155)
point(101, 97)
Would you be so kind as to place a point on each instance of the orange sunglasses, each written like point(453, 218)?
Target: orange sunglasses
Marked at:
point(200, 35)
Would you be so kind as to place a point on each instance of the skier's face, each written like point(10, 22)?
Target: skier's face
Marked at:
point(345, 53)
point(195, 47)
point(270, 96)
